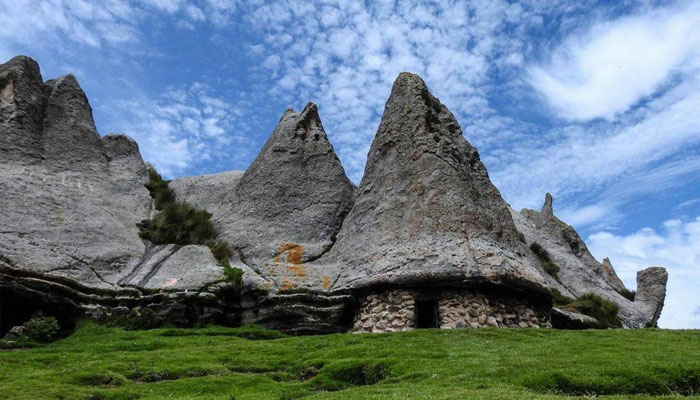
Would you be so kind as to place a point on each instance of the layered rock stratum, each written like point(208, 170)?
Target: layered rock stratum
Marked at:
point(425, 240)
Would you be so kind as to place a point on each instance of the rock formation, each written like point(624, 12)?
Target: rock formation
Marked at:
point(581, 273)
point(426, 240)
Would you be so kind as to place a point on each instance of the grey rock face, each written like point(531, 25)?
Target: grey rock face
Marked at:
point(125, 162)
point(651, 292)
point(71, 141)
point(214, 192)
point(426, 212)
point(580, 272)
point(610, 276)
point(63, 214)
point(290, 203)
point(21, 109)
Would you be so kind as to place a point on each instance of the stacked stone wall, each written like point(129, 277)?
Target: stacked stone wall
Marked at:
point(395, 310)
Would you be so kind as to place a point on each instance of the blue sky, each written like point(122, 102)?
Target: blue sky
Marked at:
point(597, 102)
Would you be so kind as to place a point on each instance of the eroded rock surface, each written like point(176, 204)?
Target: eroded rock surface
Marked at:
point(581, 273)
point(312, 247)
point(426, 212)
point(290, 203)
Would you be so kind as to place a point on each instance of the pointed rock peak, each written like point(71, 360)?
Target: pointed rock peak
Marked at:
point(21, 104)
point(289, 112)
point(409, 79)
point(294, 192)
point(547, 207)
point(606, 261)
point(70, 135)
point(426, 210)
point(296, 128)
point(21, 65)
point(121, 145)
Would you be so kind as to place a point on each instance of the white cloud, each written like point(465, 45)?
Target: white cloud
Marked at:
point(345, 55)
point(607, 70)
point(181, 129)
point(676, 246)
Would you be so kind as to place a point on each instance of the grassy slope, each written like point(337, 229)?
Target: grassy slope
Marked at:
point(212, 363)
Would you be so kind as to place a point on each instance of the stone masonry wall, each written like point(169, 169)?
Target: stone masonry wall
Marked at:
point(394, 310)
point(388, 311)
point(459, 309)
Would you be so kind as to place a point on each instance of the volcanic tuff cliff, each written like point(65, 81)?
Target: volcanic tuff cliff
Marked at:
point(425, 226)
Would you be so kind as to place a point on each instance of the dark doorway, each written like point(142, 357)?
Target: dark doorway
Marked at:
point(427, 314)
point(17, 307)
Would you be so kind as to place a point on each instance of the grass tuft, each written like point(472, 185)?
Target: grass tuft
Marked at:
point(628, 294)
point(560, 300)
point(549, 266)
point(606, 312)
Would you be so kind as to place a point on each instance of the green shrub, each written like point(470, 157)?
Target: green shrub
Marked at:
point(233, 276)
point(179, 223)
point(540, 252)
point(551, 268)
point(42, 329)
point(628, 294)
point(184, 224)
point(221, 251)
point(546, 262)
point(161, 193)
point(561, 300)
point(606, 312)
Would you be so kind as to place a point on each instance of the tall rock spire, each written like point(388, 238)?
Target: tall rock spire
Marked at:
point(21, 109)
point(547, 209)
point(71, 140)
point(426, 211)
point(294, 195)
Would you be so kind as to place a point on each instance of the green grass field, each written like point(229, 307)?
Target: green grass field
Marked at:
point(248, 363)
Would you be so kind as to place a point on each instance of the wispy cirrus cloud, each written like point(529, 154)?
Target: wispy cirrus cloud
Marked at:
point(184, 127)
point(607, 69)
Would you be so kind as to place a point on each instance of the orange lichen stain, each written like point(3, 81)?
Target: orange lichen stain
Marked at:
point(299, 270)
point(294, 253)
point(326, 283)
point(287, 285)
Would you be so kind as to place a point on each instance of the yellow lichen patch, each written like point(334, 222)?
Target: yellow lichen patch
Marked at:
point(326, 282)
point(299, 270)
point(287, 285)
point(293, 252)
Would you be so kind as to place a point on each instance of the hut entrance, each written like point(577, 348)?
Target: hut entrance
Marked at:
point(427, 314)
